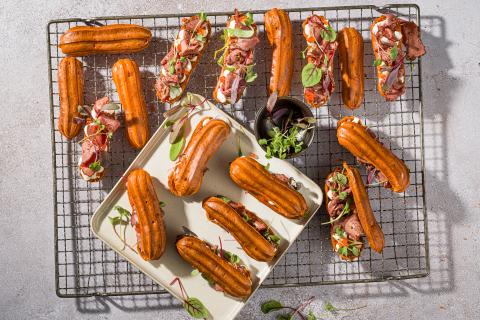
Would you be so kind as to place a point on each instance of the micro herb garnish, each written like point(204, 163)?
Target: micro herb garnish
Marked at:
point(183, 59)
point(231, 257)
point(345, 211)
point(302, 53)
point(240, 33)
point(273, 238)
point(340, 178)
point(225, 199)
point(175, 91)
point(274, 305)
point(95, 166)
point(249, 19)
point(176, 118)
point(289, 139)
point(282, 144)
point(311, 75)
point(162, 204)
point(246, 217)
point(171, 66)
point(122, 219)
point(328, 34)
point(192, 305)
point(394, 53)
point(195, 272)
point(199, 37)
point(329, 307)
point(377, 62)
point(343, 195)
point(202, 16)
point(250, 75)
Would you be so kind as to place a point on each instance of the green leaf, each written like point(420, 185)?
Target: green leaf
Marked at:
point(220, 60)
point(231, 257)
point(195, 308)
point(210, 281)
point(325, 60)
point(176, 148)
point(251, 76)
point(183, 59)
point(240, 33)
point(302, 53)
point(195, 272)
point(199, 37)
point(311, 316)
point(202, 16)
point(329, 34)
point(329, 307)
point(175, 91)
point(225, 199)
point(394, 53)
point(311, 75)
point(171, 66)
point(343, 250)
point(110, 135)
point(341, 179)
point(95, 166)
point(169, 123)
point(270, 305)
point(230, 68)
point(274, 238)
point(284, 316)
point(122, 211)
point(249, 20)
point(355, 251)
point(162, 204)
point(262, 142)
point(377, 62)
point(117, 220)
point(342, 195)
point(267, 166)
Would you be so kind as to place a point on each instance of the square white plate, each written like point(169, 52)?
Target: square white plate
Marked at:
point(188, 212)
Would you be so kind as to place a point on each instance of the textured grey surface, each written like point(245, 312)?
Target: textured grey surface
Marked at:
point(451, 74)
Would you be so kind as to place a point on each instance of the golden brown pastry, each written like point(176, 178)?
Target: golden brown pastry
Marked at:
point(350, 57)
point(278, 28)
point(70, 88)
point(273, 190)
point(147, 215)
point(381, 163)
point(187, 174)
point(252, 233)
point(126, 75)
point(112, 39)
point(216, 265)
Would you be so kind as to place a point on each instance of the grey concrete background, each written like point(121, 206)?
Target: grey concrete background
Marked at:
point(451, 74)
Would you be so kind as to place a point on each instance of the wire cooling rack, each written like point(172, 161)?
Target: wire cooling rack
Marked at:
point(86, 267)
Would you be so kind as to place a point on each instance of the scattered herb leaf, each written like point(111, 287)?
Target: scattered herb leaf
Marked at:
point(162, 204)
point(176, 148)
point(195, 308)
point(329, 307)
point(377, 62)
point(240, 33)
point(270, 305)
point(202, 16)
point(342, 195)
point(195, 272)
point(311, 316)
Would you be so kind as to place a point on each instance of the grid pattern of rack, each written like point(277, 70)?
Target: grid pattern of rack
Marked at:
point(86, 267)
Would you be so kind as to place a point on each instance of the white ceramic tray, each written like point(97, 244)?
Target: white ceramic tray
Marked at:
point(188, 212)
